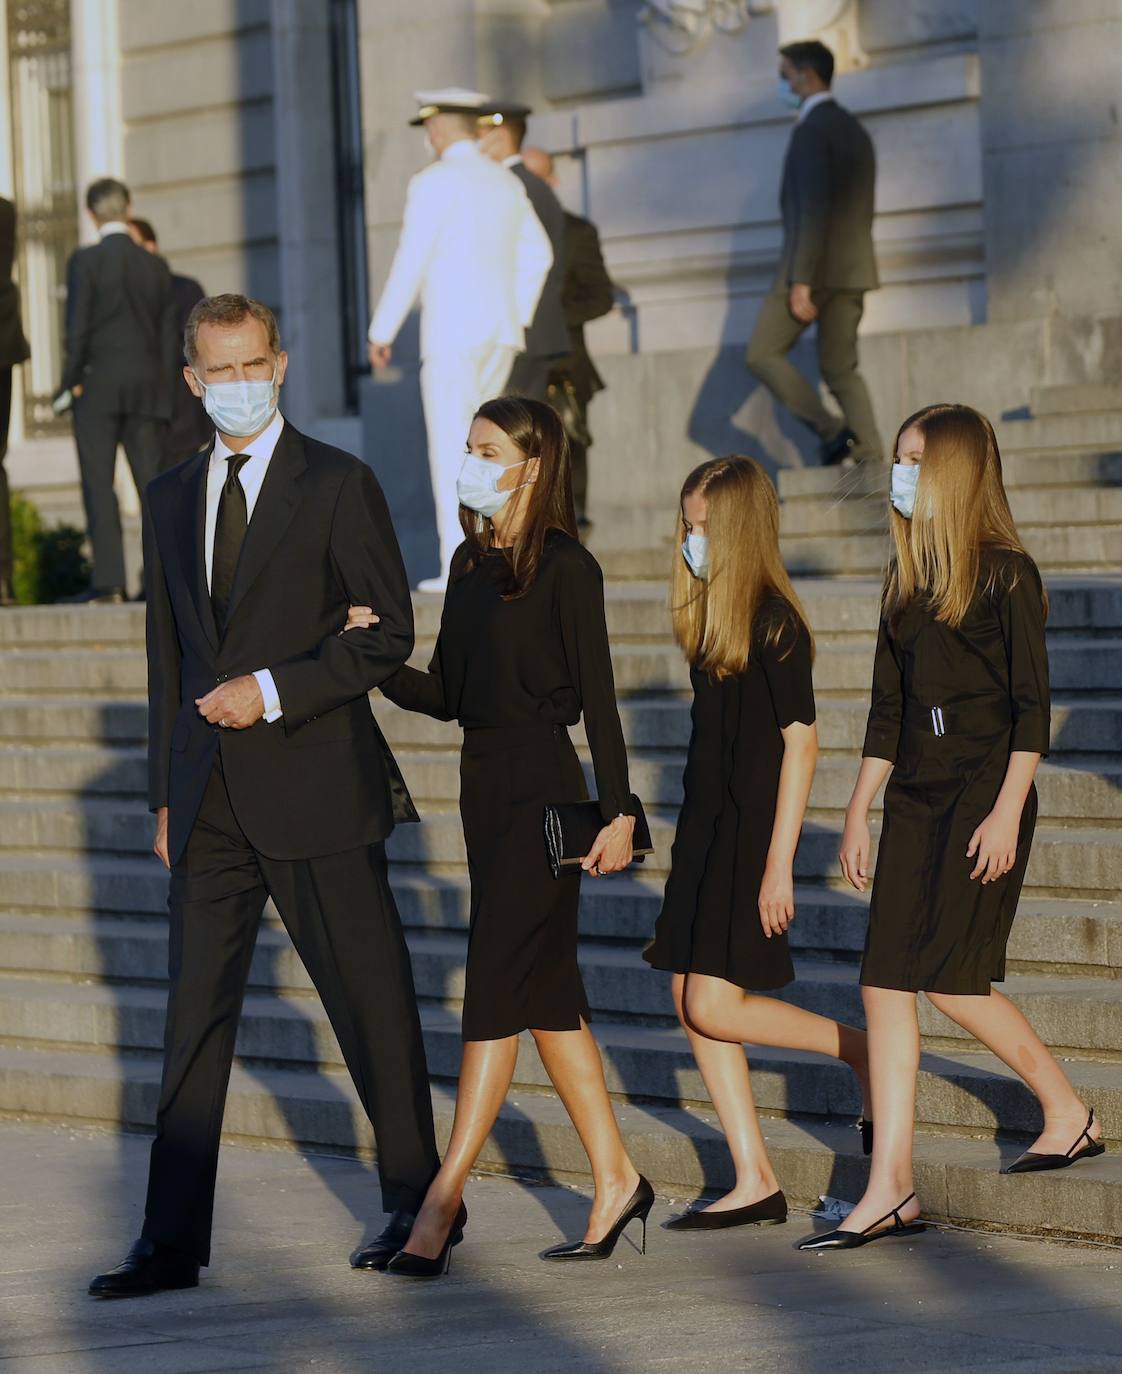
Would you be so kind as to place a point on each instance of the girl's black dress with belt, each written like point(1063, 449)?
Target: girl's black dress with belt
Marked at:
point(515, 674)
point(710, 920)
point(948, 708)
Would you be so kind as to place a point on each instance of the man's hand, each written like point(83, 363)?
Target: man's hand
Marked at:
point(160, 848)
point(799, 303)
point(236, 705)
point(380, 355)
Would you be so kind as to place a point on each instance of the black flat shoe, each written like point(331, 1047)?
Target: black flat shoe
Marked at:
point(147, 1268)
point(642, 1200)
point(866, 1129)
point(839, 448)
point(403, 1265)
point(1031, 1163)
point(382, 1249)
point(850, 1240)
point(769, 1211)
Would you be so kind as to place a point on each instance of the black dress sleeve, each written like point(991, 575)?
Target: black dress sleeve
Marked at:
point(584, 632)
point(1021, 610)
point(786, 662)
point(420, 691)
point(882, 735)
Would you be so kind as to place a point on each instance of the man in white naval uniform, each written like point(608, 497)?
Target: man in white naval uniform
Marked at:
point(475, 252)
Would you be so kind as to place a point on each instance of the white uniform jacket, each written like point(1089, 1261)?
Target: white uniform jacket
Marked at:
point(475, 252)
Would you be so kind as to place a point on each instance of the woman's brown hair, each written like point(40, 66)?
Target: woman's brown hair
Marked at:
point(713, 617)
point(536, 430)
point(961, 513)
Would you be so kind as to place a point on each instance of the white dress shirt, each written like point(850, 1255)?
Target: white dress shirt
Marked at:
point(473, 250)
point(113, 226)
point(251, 476)
point(818, 98)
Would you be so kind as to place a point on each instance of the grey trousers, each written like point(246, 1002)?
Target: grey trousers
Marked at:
point(776, 333)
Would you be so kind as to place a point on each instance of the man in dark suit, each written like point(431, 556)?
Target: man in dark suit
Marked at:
point(269, 778)
point(547, 338)
point(190, 428)
point(826, 199)
point(117, 377)
point(13, 350)
point(587, 293)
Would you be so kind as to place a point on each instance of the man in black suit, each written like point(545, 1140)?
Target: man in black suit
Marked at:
point(587, 293)
point(547, 338)
point(190, 428)
point(826, 199)
point(13, 350)
point(117, 377)
point(270, 778)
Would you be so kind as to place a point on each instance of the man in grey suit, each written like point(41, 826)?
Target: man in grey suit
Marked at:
point(503, 131)
point(826, 200)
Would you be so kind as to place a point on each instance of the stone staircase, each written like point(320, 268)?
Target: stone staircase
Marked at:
point(82, 902)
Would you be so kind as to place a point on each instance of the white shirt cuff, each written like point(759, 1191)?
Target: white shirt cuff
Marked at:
point(269, 694)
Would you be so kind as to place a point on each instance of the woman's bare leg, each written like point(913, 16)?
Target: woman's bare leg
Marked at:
point(1001, 1026)
point(572, 1060)
point(486, 1073)
point(894, 1064)
point(724, 1070)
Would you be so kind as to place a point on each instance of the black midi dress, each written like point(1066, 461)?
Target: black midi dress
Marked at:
point(948, 708)
point(515, 674)
point(710, 920)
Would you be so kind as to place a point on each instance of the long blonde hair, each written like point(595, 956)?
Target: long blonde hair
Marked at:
point(961, 512)
point(713, 617)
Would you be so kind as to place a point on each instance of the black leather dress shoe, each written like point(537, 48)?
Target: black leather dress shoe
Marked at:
point(838, 448)
point(147, 1268)
point(382, 1249)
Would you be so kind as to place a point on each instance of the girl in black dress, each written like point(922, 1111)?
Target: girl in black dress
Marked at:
point(730, 894)
point(960, 720)
point(522, 654)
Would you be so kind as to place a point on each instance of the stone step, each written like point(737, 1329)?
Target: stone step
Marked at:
point(1086, 429)
point(1075, 397)
point(957, 1091)
point(682, 1152)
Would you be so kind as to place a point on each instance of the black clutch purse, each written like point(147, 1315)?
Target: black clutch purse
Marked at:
point(571, 829)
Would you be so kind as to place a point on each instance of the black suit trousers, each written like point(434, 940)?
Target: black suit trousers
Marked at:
point(97, 434)
point(5, 495)
point(340, 913)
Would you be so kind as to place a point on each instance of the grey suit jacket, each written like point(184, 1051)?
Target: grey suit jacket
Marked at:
point(826, 200)
point(548, 334)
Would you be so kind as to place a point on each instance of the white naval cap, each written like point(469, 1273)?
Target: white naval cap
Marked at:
point(448, 100)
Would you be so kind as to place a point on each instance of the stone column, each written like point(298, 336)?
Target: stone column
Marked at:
point(96, 77)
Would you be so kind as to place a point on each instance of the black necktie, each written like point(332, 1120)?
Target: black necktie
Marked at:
point(229, 534)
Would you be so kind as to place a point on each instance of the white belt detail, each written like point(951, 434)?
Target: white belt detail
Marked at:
point(937, 720)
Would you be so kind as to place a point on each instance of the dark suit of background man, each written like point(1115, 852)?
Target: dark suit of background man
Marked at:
point(269, 776)
point(120, 348)
point(13, 349)
point(547, 338)
point(587, 293)
point(189, 428)
point(826, 200)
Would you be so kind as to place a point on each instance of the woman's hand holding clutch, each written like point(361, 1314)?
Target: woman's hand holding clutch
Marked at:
point(612, 851)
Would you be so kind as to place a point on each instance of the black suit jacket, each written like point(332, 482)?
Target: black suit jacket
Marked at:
point(13, 346)
point(586, 294)
point(826, 200)
point(190, 426)
point(120, 329)
point(322, 779)
point(548, 335)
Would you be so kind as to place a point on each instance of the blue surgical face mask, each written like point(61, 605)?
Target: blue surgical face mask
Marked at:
point(478, 486)
point(902, 492)
point(696, 553)
point(240, 408)
point(787, 95)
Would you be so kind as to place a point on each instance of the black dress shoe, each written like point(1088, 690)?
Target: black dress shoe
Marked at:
point(382, 1249)
point(769, 1211)
point(850, 1240)
point(147, 1268)
point(1032, 1163)
point(96, 596)
point(840, 447)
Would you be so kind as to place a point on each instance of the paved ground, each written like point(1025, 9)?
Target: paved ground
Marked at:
point(280, 1295)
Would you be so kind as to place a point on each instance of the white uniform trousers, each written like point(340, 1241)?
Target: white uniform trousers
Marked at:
point(453, 387)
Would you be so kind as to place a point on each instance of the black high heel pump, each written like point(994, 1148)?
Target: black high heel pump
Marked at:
point(1032, 1163)
point(407, 1266)
point(850, 1240)
point(642, 1200)
point(866, 1128)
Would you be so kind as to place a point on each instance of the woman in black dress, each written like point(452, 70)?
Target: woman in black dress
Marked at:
point(730, 897)
point(960, 720)
point(522, 654)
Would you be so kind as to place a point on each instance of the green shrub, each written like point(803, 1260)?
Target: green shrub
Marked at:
point(48, 563)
